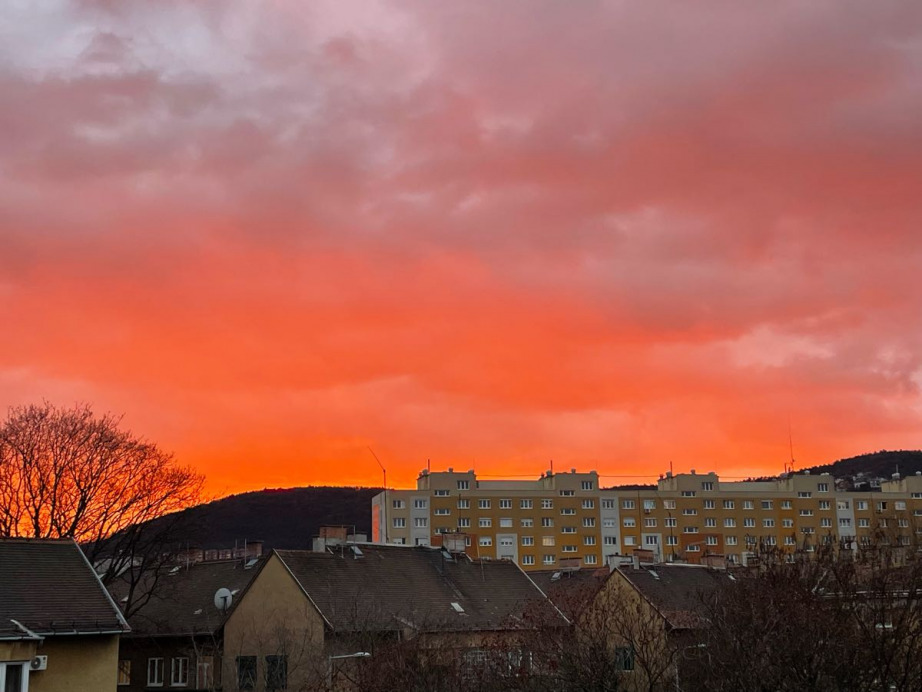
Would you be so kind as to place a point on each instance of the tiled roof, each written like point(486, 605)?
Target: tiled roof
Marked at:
point(570, 590)
point(389, 588)
point(47, 587)
point(183, 601)
point(676, 590)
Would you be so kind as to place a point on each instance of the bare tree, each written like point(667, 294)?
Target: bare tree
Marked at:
point(65, 472)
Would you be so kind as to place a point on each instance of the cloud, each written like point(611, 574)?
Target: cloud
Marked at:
point(613, 235)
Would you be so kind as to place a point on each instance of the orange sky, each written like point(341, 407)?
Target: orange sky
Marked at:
point(610, 234)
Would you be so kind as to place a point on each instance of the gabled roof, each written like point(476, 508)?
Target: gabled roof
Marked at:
point(48, 588)
point(183, 601)
point(571, 591)
point(391, 588)
point(676, 590)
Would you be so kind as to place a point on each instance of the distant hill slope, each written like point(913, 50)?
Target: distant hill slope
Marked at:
point(881, 464)
point(284, 518)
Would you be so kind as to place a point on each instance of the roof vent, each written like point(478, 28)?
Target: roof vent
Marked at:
point(250, 563)
point(356, 552)
point(555, 576)
point(457, 607)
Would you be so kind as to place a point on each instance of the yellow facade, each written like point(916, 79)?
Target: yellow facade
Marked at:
point(79, 663)
point(566, 519)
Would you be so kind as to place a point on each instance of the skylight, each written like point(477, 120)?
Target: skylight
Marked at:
point(457, 607)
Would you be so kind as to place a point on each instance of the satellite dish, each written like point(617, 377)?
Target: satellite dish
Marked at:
point(223, 599)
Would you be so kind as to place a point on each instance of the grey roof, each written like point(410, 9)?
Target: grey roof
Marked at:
point(183, 601)
point(677, 591)
point(571, 591)
point(390, 588)
point(48, 588)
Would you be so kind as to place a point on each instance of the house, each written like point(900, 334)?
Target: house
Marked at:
point(59, 628)
point(338, 615)
point(176, 637)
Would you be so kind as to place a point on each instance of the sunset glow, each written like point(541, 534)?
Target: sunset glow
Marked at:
point(615, 235)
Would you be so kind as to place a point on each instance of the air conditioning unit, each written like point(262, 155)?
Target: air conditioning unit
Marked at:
point(38, 663)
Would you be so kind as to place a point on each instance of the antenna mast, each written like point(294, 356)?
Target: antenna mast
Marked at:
point(384, 471)
point(791, 444)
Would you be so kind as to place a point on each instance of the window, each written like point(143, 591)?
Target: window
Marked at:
point(609, 523)
point(749, 522)
point(649, 504)
point(588, 522)
point(485, 522)
point(710, 522)
point(588, 504)
point(845, 523)
point(525, 504)
point(747, 504)
point(807, 530)
point(588, 540)
point(787, 523)
point(707, 485)
point(650, 522)
point(464, 504)
point(806, 512)
point(589, 559)
point(585, 485)
point(547, 504)
point(442, 512)
point(668, 504)
point(670, 522)
point(804, 495)
point(624, 658)
point(12, 677)
point(903, 523)
point(420, 504)
point(629, 522)
point(204, 673)
point(567, 493)
point(124, 672)
point(689, 493)
point(628, 504)
point(548, 541)
point(672, 540)
point(608, 504)
point(768, 523)
point(179, 672)
point(767, 504)
point(825, 504)
point(569, 548)
point(464, 485)
point(785, 504)
point(568, 529)
point(690, 512)
point(276, 673)
point(899, 506)
point(790, 540)
point(711, 540)
point(483, 504)
point(568, 511)
point(528, 540)
point(547, 522)
point(421, 522)
point(651, 540)
point(506, 542)
point(464, 523)
point(729, 504)
point(861, 504)
point(609, 540)
point(822, 488)
point(528, 560)
point(548, 559)
point(710, 504)
point(155, 668)
point(398, 504)
point(729, 523)
point(630, 540)
point(505, 523)
point(400, 523)
point(690, 529)
point(441, 493)
point(486, 541)
point(527, 523)
point(505, 504)
point(730, 540)
point(694, 549)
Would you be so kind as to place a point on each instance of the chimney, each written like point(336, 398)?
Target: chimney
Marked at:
point(451, 470)
point(896, 476)
point(636, 561)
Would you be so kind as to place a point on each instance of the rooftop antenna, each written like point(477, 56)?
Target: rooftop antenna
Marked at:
point(791, 443)
point(552, 467)
point(384, 471)
point(223, 599)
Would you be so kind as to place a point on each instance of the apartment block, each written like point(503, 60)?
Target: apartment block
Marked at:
point(566, 519)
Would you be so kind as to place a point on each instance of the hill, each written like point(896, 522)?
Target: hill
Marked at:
point(282, 518)
point(880, 464)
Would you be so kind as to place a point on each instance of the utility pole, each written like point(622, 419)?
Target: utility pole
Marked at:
point(384, 471)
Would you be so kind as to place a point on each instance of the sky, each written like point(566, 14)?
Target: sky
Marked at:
point(615, 235)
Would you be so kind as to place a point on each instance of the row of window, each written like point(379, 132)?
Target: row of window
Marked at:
point(487, 522)
point(179, 671)
point(550, 558)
